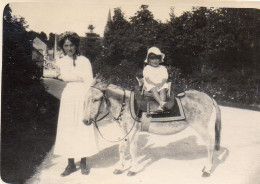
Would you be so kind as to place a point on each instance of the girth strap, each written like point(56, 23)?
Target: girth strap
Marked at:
point(145, 123)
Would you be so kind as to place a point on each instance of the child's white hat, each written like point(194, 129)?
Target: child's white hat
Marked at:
point(155, 51)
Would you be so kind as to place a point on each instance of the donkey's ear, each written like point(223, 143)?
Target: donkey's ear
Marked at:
point(100, 82)
point(99, 77)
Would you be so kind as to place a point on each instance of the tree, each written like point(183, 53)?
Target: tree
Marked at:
point(18, 68)
point(91, 28)
point(51, 41)
point(130, 40)
point(144, 34)
point(90, 46)
point(43, 36)
point(116, 39)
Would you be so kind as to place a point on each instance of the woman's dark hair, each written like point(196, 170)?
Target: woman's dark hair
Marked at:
point(72, 37)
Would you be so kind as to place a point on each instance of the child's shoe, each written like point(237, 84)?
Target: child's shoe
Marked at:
point(162, 105)
point(159, 109)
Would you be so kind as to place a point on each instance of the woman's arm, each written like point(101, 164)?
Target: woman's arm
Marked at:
point(65, 73)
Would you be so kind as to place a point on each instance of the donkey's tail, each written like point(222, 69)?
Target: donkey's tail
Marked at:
point(217, 126)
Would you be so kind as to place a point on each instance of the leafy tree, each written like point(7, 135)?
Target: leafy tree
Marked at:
point(130, 40)
point(22, 97)
point(116, 38)
point(51, 41)
point(206, 44)
point(90, 46)
point(91, 28)
point(244, 23)
point(145, 31)
point(43, 36)
point(18, 68)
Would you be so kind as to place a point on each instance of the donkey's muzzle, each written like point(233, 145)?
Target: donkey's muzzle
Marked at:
point(86, 122)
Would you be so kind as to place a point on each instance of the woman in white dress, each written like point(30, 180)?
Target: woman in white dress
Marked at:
point(74, 139)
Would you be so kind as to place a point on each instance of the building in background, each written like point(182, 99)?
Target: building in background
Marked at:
point(40, 46)
point(109, 19)
point(44, 57)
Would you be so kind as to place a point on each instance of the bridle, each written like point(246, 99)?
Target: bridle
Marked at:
point(96, 120)
point(117, 119)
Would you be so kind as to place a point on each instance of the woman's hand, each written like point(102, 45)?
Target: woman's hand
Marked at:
point(57, 70)
point(58, 74)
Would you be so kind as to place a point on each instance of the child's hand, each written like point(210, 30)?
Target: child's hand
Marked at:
point(159, 85)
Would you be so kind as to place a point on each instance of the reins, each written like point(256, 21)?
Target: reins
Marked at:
point(100, 106)
point(122, 109)
point(115, 119)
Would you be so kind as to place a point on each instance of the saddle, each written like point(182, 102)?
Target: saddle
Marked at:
point(143, 108)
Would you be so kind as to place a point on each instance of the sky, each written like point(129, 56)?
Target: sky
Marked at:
point(58, 16)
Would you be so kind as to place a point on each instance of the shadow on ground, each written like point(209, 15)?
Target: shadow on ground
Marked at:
point(184, 149)
point(28, 130)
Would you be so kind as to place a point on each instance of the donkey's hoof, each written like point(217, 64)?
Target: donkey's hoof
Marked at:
point(205, 174)
point(130, 173)
point(118, 171)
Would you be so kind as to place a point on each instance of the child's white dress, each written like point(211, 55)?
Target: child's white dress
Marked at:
point(156, 75)
point(74, 139)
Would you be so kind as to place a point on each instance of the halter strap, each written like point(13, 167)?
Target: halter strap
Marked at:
point(122, 109)
point(116, 119)
point(96, 120)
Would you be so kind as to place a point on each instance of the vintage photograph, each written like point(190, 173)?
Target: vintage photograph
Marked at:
point(130, 92)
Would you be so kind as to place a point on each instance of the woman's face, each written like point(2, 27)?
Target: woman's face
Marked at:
point(69, 48)
point(154, 60)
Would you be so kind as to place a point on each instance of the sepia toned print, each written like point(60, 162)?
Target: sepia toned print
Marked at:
point(206, 130)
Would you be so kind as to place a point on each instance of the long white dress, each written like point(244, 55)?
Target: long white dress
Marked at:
point(74, 139)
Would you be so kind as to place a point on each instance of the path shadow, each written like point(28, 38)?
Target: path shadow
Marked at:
point(28, 134)
point(184, 149)
point(105, 158)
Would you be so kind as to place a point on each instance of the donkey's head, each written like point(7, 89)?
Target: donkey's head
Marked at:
point(103, 98)
point(95, 101)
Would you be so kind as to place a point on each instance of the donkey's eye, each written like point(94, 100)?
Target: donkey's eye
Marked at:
point(97, 100)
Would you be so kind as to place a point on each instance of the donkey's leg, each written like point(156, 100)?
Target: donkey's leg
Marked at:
point(120, 166)
point(206, 134)
point(133, 149)
point(210, 148)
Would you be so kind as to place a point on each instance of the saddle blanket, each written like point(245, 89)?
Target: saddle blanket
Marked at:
point(141, 105)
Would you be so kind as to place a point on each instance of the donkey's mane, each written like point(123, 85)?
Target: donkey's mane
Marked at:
point(103, 83)
point(100, 82)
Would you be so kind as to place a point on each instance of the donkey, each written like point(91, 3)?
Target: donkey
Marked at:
point(201, 111)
